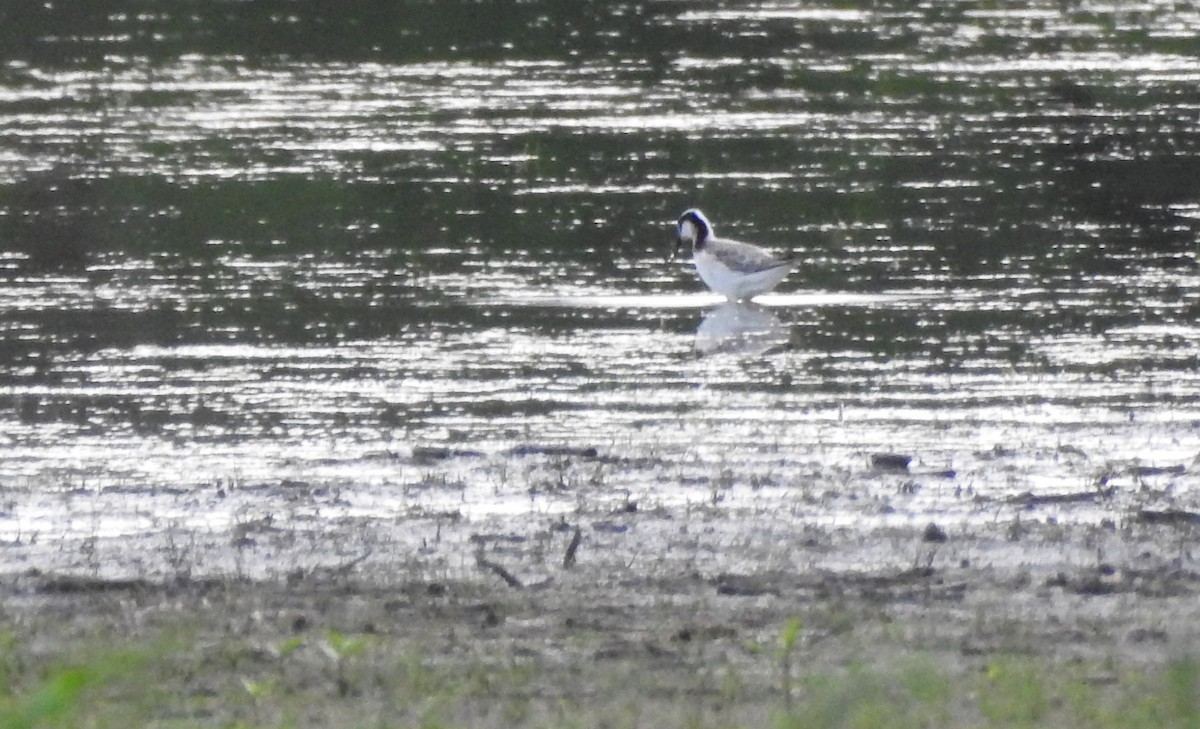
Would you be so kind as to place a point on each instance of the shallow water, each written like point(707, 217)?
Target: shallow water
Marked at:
point(245, 259)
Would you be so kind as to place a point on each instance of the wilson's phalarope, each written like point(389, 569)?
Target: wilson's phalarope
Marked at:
point(739, 271)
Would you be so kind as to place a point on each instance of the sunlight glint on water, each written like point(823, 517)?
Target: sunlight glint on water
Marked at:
point(226, 272)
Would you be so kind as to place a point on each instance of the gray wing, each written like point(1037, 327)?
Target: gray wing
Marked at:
point(745, 257)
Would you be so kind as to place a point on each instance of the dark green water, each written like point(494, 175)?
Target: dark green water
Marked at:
point(245, 244)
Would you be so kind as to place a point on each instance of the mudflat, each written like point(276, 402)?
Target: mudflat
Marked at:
point(748, 609)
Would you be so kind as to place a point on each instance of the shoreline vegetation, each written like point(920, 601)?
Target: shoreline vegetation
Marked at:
point(524, 637)
point(902, 601)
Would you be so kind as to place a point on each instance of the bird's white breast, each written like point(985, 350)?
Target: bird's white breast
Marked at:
point(715, 275)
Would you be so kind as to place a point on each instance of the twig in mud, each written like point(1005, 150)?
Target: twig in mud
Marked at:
point(569, 557)
point(345, 567)
point(484, 563)
point(632, 558)
point(298, 575)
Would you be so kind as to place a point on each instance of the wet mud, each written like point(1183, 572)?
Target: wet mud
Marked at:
point(682, 592)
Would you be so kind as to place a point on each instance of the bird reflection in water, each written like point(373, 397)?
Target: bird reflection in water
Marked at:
point(743, 328)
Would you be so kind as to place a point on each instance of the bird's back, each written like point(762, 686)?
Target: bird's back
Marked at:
point(743, 257)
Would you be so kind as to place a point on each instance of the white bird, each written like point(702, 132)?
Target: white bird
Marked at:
point(738, 271)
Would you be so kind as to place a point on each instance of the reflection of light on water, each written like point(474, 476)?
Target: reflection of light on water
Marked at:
point(772, 12)
point(739, 328)
point(572, 300)
point(309, 338)
point(580, 298)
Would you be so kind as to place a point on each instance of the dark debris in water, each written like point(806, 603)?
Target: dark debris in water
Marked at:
point(1169, 517)
point(921, 584)
point(434, 454)
point(73, 584)
point(554, 451)
point(737, 585)
point(1145, 471)
point(934, 533)
point(482, 539)
point(690, 633)
point(1031, 500)
point(1106, 579)
point(917, 583)
point(610, 527)
point(890, 462)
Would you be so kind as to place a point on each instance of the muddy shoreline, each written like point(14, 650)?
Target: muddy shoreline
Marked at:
point(660, 603)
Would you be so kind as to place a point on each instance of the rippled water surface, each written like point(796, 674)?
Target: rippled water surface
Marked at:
point(336, 264)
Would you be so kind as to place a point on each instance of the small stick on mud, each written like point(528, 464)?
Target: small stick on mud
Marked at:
point(484, 563)
point(345, 567)
point(569, 557)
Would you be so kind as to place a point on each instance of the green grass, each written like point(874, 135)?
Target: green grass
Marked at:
point(338, 680)
point(1009, 693)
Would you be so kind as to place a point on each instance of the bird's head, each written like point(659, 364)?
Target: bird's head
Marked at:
point(692, 229)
